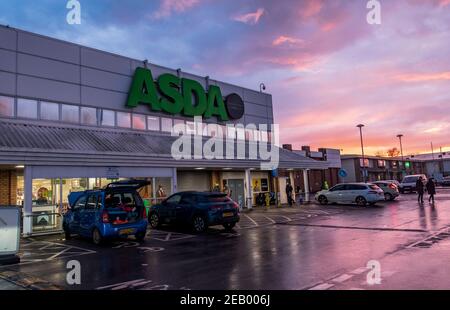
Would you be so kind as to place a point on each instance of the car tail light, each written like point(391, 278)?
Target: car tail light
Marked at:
point(236, 206)
point(144, 213)
point(105, 217)
point(392, 186)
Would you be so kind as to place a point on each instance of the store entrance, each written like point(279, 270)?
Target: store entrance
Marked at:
point(236, 187)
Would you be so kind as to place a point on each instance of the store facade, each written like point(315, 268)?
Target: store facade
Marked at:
point(74, 118)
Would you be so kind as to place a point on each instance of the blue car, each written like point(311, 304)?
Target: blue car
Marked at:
point(114, 212)
point(196, 209)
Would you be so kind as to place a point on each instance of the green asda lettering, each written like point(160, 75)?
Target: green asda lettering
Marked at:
point(176, 96)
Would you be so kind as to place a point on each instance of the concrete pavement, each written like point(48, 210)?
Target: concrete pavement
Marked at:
point(308, 247)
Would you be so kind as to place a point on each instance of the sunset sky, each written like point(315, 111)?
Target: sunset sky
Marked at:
point(326, 67)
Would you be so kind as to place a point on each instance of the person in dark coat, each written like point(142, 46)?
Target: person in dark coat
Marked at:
point(431, 188)
point(289, 190)
point(420, 189)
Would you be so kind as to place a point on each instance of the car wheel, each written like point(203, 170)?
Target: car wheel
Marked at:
point(388, 197)
point(323, 200)
point(199, 224)
point(154, 220)
point(97, 237)
point(140, 236)
point(229, 226)
point(361, 201)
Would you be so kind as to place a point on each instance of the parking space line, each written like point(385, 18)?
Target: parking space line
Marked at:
point(270, 219)
point(252, 220)
point(58, 254)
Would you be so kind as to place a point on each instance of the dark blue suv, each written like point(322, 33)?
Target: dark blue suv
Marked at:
point(114, 212)
point(197, 209)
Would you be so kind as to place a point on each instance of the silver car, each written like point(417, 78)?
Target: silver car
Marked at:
point(348, 193)
point(390, 189)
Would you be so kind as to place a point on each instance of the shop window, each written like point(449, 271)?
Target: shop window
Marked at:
point(212, 130)
point(231, 132)
point(180, 126)
point(108, 118)
point(45, 205)
point(70, 113)
point(49, 111)
point(89, 116)
point(27, 108)
point(190, 128)
point(166, 124)
point(264, 136)
point(153, 123)
point(123, 119)
point(139, 122)
point(6, 106)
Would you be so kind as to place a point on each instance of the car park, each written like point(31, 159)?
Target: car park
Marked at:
point(117, 211)
point(348, 193)
point(408, 184)
point(389, 188)
point(199, 210)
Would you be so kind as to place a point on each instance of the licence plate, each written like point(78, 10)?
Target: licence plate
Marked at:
point(128, 231)
point(228, 214)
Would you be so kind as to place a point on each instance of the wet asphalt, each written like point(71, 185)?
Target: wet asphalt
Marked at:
point(308, 247)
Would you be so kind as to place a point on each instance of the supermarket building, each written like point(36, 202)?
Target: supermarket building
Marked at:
point(67, 124)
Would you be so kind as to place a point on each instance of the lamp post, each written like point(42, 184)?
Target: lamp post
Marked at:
point(262, 87)
point(360, 126)
point(400, 136)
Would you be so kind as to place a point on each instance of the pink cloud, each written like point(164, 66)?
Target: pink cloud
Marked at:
point(424, 77)
point(311, 8)
point(250, 18)
point(168, 7)
point(286, 40)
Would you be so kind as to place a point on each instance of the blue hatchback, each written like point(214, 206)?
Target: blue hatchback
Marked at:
point(197, 209)
point(114, 212)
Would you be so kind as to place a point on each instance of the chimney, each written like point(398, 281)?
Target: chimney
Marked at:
point(287, 147)
point(307, 150)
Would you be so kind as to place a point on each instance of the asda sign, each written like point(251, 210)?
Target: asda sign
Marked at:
point(174, 95)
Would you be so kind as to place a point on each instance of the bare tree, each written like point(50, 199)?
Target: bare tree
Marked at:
point(394, 152)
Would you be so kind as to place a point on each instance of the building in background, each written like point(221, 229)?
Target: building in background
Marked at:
point(436, 165)
point(316, 178)
point(379, 168)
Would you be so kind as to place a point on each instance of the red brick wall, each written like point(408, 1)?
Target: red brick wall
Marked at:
point(8, 187)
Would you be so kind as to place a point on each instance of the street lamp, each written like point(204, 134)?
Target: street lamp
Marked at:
point(262, 87)
point(360, 126)
point(400, 136)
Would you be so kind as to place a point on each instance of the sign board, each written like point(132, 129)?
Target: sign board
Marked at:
point(342, 173)
point(174, 95)
point(9, 230)
point(112, 173)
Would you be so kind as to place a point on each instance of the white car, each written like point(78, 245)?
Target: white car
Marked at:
point(359, 193)
point(409, 183)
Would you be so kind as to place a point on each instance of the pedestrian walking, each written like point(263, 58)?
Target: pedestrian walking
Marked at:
point(289, 190)
point(431, 189)
point(420, 189)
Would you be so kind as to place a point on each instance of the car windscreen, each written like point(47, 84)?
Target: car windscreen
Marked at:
point(410, 180)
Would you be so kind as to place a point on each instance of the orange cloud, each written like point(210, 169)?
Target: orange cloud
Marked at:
point(250, 18)
point(424, 77)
